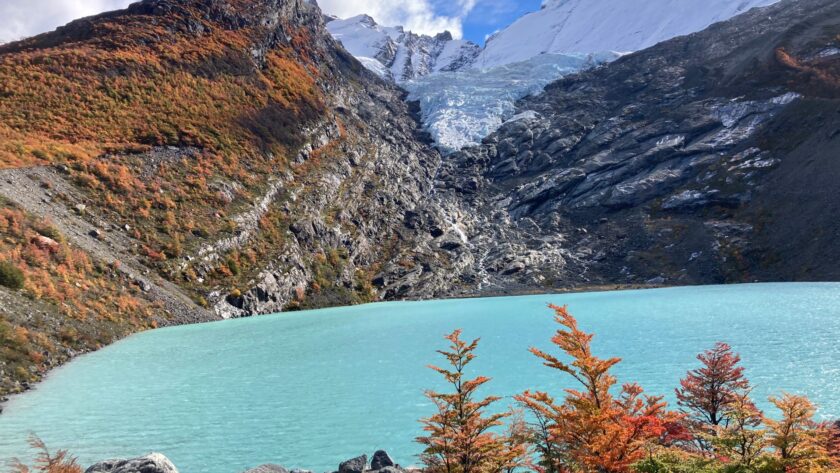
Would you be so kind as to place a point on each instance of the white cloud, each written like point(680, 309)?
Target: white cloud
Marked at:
point(22, 18)
point(419, 16)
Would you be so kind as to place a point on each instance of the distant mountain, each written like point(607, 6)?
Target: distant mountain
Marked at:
point(587, 26)
point(400, 55)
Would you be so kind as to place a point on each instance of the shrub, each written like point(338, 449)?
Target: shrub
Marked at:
point(11, 276)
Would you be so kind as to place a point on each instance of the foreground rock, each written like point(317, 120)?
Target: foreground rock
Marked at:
point(151, 463)
point(354, 465)
point(381, 460)
point(269, 468)
point(158, 463)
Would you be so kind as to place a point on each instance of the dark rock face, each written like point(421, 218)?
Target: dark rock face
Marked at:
point(152, 463)
point(685, 163)
point(354, 465)
point(380, 460)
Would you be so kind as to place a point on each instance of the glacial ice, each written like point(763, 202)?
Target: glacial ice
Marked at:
point(461, 108)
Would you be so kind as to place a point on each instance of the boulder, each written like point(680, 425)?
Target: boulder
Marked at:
point(268, 468)
point(380, 460)
point(151, 463)
point(391, 469)
point(45, 243)
point(354, 465)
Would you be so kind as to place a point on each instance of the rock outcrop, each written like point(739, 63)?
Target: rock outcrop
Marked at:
point(151, 463)
point(381, 460)
point(354, 465)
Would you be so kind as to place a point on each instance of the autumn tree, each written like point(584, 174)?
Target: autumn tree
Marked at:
point(706, 393)
point(514, 448)
point(459, 437)
point(834, 442)
point(801, 444)
point(592, 430)
point(742, 440)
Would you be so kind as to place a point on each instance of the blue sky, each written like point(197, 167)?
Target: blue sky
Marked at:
point(489, 16)
point(472, 19)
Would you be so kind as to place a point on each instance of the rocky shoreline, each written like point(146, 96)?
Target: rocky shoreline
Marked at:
point(380, 462)
point(69, 356)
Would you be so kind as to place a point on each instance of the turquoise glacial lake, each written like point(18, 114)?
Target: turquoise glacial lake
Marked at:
point(310, 389)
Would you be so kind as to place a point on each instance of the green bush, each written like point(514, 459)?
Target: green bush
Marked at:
point(11, 276)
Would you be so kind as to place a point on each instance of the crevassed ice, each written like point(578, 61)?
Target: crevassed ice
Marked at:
point(461, 108)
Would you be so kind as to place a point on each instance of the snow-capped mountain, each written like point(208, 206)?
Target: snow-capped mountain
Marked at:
point(467, 92)
point(400, 55)
point(585, 26)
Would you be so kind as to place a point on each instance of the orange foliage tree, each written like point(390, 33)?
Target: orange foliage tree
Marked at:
point(801, 444)
point(593, 430)
point(459, 437)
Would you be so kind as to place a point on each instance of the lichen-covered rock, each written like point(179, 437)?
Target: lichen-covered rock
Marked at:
point(354, 465)
point(151, 463)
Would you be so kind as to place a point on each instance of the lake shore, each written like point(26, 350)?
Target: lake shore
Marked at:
point(57, 362)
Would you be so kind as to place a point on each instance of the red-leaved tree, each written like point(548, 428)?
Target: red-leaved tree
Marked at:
point(706, 393)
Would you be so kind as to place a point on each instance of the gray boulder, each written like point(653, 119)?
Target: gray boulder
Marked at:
point(391, 469)
point(380, 460)
point(268, 468)
point(354, 465)
point(151, 463)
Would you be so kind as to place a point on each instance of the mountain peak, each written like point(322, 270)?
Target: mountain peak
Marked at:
point(401, 55)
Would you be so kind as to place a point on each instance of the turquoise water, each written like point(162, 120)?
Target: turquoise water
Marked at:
point(312, 389)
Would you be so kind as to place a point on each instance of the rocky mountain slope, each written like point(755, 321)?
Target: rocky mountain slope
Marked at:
point(709, 158)
point(190, 160)
point(218, 158)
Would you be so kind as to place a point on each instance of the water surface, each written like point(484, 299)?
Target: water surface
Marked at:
point(309, 389)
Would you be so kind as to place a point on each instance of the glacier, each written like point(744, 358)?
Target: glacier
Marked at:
point(466, 92)
point(460, 108)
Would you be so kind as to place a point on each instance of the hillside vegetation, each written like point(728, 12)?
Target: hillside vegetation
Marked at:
point(56, 300)
point(228, 152)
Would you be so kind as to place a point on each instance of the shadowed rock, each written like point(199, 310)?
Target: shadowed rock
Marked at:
point(380, 460)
